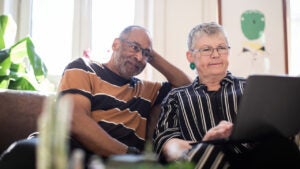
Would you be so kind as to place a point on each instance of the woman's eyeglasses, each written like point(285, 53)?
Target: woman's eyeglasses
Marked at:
point(208, 51)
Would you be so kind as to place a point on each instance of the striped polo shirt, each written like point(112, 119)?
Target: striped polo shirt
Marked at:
point(120, 106)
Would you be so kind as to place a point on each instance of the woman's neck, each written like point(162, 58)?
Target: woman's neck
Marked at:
point(212, 82)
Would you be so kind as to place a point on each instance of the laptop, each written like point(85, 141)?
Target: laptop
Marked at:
point(270, 106)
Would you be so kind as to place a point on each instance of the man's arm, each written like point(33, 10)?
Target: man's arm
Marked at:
point(174, 75)
point(85, 130)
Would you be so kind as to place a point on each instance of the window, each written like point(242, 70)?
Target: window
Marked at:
point(52, 29)
point(108, 20)
point(52, 24)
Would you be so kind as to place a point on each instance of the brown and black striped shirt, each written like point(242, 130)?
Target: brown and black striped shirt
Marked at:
point(120, 106)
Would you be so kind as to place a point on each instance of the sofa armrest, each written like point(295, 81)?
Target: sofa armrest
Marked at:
point(19, 111)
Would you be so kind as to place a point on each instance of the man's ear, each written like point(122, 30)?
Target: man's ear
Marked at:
point(116, 44)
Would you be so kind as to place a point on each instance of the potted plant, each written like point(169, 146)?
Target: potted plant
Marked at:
point(21, 68)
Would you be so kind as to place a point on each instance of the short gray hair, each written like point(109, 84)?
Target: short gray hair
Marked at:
point(125, 33)
point(210, 28)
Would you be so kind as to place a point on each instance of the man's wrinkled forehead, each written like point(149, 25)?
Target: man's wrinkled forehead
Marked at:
point(139, 36)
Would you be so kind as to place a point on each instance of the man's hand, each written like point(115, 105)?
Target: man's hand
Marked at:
point(173, 74)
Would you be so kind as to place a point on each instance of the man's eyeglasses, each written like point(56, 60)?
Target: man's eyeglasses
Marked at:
point(135, 47)
point(208, 51)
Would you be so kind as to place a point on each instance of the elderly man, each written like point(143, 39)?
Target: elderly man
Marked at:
point(111, 106)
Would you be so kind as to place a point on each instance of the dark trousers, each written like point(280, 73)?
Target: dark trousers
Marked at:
point(22, 154)
point(275, 152)
point(270, 153)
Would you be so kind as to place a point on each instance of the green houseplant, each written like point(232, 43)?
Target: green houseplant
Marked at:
point(21, 68)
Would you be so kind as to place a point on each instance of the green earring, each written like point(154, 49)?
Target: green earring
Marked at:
point(192, 65)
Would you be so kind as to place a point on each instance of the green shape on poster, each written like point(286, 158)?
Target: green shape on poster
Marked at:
point(253, 24)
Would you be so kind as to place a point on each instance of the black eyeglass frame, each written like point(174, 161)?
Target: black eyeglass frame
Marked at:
point(146, 52)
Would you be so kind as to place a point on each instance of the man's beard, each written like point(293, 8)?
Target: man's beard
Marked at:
point(121, 63)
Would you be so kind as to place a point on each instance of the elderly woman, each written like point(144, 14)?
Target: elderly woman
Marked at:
point(195, 114)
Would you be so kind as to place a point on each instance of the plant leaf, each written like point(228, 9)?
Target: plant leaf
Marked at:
point(5, 63)
point(3, 23)
point(18, 52)
point(18, 70)
point(4, 82)
point(8, 30)
point(20, 66)
point(39, 67)
point(22, 83)
point(4, 53)
point(25, 49)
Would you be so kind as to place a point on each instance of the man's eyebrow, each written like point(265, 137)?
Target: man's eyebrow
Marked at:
point(140, 45)
point(137, 43)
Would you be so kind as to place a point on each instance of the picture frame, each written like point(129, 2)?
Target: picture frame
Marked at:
point(257, 35)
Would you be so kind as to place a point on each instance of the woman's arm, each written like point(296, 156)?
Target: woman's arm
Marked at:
point(174, 148)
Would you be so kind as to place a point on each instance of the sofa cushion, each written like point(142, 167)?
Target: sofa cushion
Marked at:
point(19, 111)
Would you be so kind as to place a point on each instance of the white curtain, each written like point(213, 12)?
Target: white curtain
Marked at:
point(82, 26)
point(20, 10)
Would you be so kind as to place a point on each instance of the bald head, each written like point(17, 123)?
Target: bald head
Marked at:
point(137, 32)
point(125, 33)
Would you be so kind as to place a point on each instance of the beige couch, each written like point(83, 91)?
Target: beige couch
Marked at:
point(19, 111)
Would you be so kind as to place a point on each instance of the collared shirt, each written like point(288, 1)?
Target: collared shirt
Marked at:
point(189, 112)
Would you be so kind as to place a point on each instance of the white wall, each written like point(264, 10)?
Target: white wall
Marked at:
point(173, 21)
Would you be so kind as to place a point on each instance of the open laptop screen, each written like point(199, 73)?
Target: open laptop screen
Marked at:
point(270, 105)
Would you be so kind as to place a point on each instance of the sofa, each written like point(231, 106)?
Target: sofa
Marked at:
point(19, 112)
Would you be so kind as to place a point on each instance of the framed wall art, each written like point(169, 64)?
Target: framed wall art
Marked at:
point(257, 34)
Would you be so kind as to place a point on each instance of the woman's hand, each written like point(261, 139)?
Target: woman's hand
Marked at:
point(174, 148)
point(221, 131)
